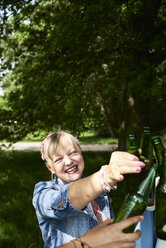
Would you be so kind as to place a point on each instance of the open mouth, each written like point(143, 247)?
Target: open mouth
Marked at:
point(72, 169)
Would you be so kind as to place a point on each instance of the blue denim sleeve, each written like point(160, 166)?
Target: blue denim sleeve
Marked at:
point(111, 208)
point(53, 203)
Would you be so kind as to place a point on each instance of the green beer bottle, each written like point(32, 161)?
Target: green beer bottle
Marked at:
point(147, 152)
point(160, 214)
point(136, 203)
point(132, 145)
point(131, 180)
point(158, 149)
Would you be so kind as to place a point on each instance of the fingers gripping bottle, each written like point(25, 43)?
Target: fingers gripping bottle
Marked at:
point(136, 203)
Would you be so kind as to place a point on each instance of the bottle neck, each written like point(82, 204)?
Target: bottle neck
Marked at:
point(146, 185)
point(158, 148)
point(147, 150)
point(134, 151)
point(132, 146)
point(162, 171)
point(146, 144)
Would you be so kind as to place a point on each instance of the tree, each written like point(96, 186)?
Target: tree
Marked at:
point(81, 64)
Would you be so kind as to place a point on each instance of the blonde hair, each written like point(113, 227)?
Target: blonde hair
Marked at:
point(51, 142)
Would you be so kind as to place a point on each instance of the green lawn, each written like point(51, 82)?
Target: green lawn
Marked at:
point(88, 137)
point(20, 171)
point(91, 137)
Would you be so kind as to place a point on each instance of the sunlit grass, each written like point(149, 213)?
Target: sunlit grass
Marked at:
point(87, 137)
point(91, 137)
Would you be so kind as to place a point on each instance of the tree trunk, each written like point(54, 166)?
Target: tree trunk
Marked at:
point(105, 114)
point(133, 120)
point(130, 122)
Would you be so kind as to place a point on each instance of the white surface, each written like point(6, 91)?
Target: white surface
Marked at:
point(161, 243)
point(35, 146)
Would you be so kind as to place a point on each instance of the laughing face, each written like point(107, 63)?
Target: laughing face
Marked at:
point(67, 162)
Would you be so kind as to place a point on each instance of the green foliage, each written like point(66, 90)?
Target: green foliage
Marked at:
point(84, 65)
point(36, 136)
point(158, 96)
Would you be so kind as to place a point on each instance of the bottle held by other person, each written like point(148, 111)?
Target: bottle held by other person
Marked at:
point(147, 151)
point(136, 203)
point(132, 144)
point(160, 203)
point(131, 181)
point(158, 149)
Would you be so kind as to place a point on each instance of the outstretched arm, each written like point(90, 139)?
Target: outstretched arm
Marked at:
point(85, 190)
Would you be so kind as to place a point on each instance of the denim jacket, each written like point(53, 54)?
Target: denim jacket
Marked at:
point(59, 221)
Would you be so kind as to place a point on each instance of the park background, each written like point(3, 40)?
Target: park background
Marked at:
point(95, 67)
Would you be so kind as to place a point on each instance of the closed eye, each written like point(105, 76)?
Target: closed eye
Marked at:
point(73, 152)
point(57, 160)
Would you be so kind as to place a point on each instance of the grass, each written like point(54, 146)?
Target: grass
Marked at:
point(18, 224)
point(20, 171)
point(90, 137)
point(87, 137)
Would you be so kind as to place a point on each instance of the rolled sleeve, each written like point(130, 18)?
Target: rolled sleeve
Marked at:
point(53, 203)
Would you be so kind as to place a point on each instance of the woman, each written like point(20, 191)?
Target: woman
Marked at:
point(70, 205)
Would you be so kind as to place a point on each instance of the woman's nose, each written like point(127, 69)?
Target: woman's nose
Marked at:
point(67, 160)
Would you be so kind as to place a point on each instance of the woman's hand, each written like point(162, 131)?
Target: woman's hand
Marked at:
point(122, 163)
point(111, 235)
